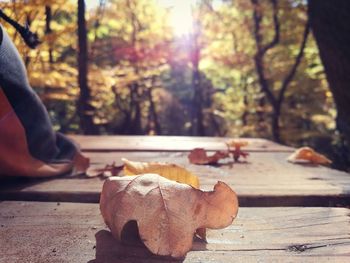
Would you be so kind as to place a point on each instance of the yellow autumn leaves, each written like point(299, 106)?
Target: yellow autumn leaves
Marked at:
point(170, 171)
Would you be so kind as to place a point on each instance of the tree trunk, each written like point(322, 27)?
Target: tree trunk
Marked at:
point(153, 120)
point(48, 30)
point(197, 118)
point(330, 23)
point(135, 126)
point(245, 112)
point(27, 55)
point(275, 125)
point(197, 107)
point(85, 109)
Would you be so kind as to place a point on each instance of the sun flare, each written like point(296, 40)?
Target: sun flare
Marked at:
point(180, 15)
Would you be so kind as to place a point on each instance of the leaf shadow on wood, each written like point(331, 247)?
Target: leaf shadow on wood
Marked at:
point(230, 164)
point(307, 164)
point(109, 250)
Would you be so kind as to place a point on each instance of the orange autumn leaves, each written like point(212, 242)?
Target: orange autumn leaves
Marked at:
point(234, 150)
point(308, 155)
point(166, 203)
point(200, 155)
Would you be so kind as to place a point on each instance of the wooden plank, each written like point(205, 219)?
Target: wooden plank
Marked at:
point(71, 232)
point(267, 179)
point(168, 143)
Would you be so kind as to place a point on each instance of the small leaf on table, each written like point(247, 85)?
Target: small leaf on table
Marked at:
point(237, 152)
point(309, 155)
point(200, 156)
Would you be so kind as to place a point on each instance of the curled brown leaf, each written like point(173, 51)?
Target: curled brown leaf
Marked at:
point(167, 213)
point(200, 156)
point(307, 154)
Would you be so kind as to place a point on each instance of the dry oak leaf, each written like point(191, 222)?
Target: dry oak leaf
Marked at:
point(171, 171)
point(167, 170)
point(199, 156)
point(167, 213)
point(307, 154)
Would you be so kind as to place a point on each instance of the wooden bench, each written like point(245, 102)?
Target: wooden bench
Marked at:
point(289, 212)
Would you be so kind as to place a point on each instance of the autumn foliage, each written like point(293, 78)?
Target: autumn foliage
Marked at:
point(145, 78)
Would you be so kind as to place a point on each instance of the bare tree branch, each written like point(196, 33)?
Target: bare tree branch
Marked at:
point(276, 25)
point(274, 99)
point(293, 70)
point(261, 50)
point(257, 16)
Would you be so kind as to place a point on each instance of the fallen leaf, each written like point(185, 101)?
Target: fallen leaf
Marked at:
point(171, 171)
point(199, 156)
point(237, 152)
point(107, 171)
point(307, 154)
point(167, 213)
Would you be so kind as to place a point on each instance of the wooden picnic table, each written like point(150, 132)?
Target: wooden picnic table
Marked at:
point(288, 212)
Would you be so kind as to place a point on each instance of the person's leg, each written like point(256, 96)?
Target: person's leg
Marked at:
point(0, 35)
point(25, 128)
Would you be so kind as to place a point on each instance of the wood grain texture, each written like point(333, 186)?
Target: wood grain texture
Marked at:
point(74, 232)
point(267, 179)
point(168, 143)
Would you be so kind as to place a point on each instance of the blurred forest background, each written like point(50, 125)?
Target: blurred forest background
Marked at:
point(198, 67)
